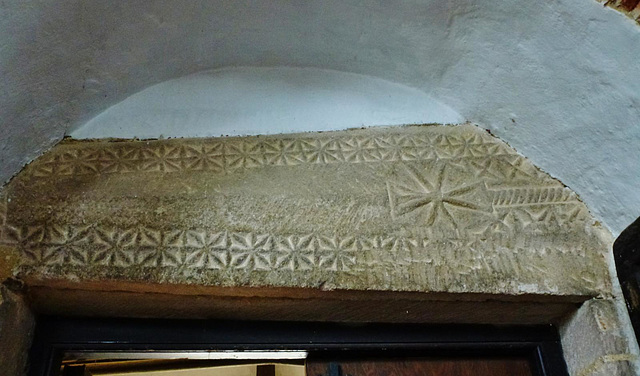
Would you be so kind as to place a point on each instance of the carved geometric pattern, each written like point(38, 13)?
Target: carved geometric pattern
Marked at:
point(296, 253)
point(465, 211)
point(46, 246)
point(223, 156)
point(531, 196)
point(435, 196)
point(251, 251)
point(470, 204)
point(337, 254)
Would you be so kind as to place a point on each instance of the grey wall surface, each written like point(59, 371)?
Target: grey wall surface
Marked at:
point(557, 80)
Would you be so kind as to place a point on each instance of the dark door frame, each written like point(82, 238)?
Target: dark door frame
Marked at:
point(56, 335)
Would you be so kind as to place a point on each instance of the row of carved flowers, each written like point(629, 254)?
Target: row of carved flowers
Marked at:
point(172, 156)
point(194, 249)
point(200, 249)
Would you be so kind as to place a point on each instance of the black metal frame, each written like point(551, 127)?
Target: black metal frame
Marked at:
point(626, 252)
point(55, 336)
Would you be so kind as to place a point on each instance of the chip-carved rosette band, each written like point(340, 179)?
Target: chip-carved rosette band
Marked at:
point(424, 209)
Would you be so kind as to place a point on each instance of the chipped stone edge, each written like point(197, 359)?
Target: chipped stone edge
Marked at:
point(634, 13)
point(615, 343)
point(17, 324)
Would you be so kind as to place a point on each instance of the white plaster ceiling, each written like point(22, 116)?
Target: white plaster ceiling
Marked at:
point(559, 80)
point(249, 101)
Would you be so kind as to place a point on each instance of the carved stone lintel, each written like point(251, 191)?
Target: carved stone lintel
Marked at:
point(448, 209)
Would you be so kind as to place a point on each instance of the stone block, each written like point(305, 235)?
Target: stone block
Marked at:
point(595, 340)
point(16, 330)
point(425, 209)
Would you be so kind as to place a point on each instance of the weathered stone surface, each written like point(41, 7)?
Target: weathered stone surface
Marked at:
point(9, 260)
point(629, 7)
point(114, 299)
point(16, 330)
point(595, 341)
point(429, 209)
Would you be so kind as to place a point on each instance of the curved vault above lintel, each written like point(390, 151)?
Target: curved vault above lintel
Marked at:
point(256, 101)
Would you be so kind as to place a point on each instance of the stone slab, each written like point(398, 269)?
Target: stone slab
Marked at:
point(596, 340)
point(113, 299)
point(425, 209)
point(16, 331)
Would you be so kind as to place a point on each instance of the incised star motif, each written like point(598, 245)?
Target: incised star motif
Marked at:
point(418, 193)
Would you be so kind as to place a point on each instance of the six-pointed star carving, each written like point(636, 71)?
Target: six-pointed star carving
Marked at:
point(417, 192)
